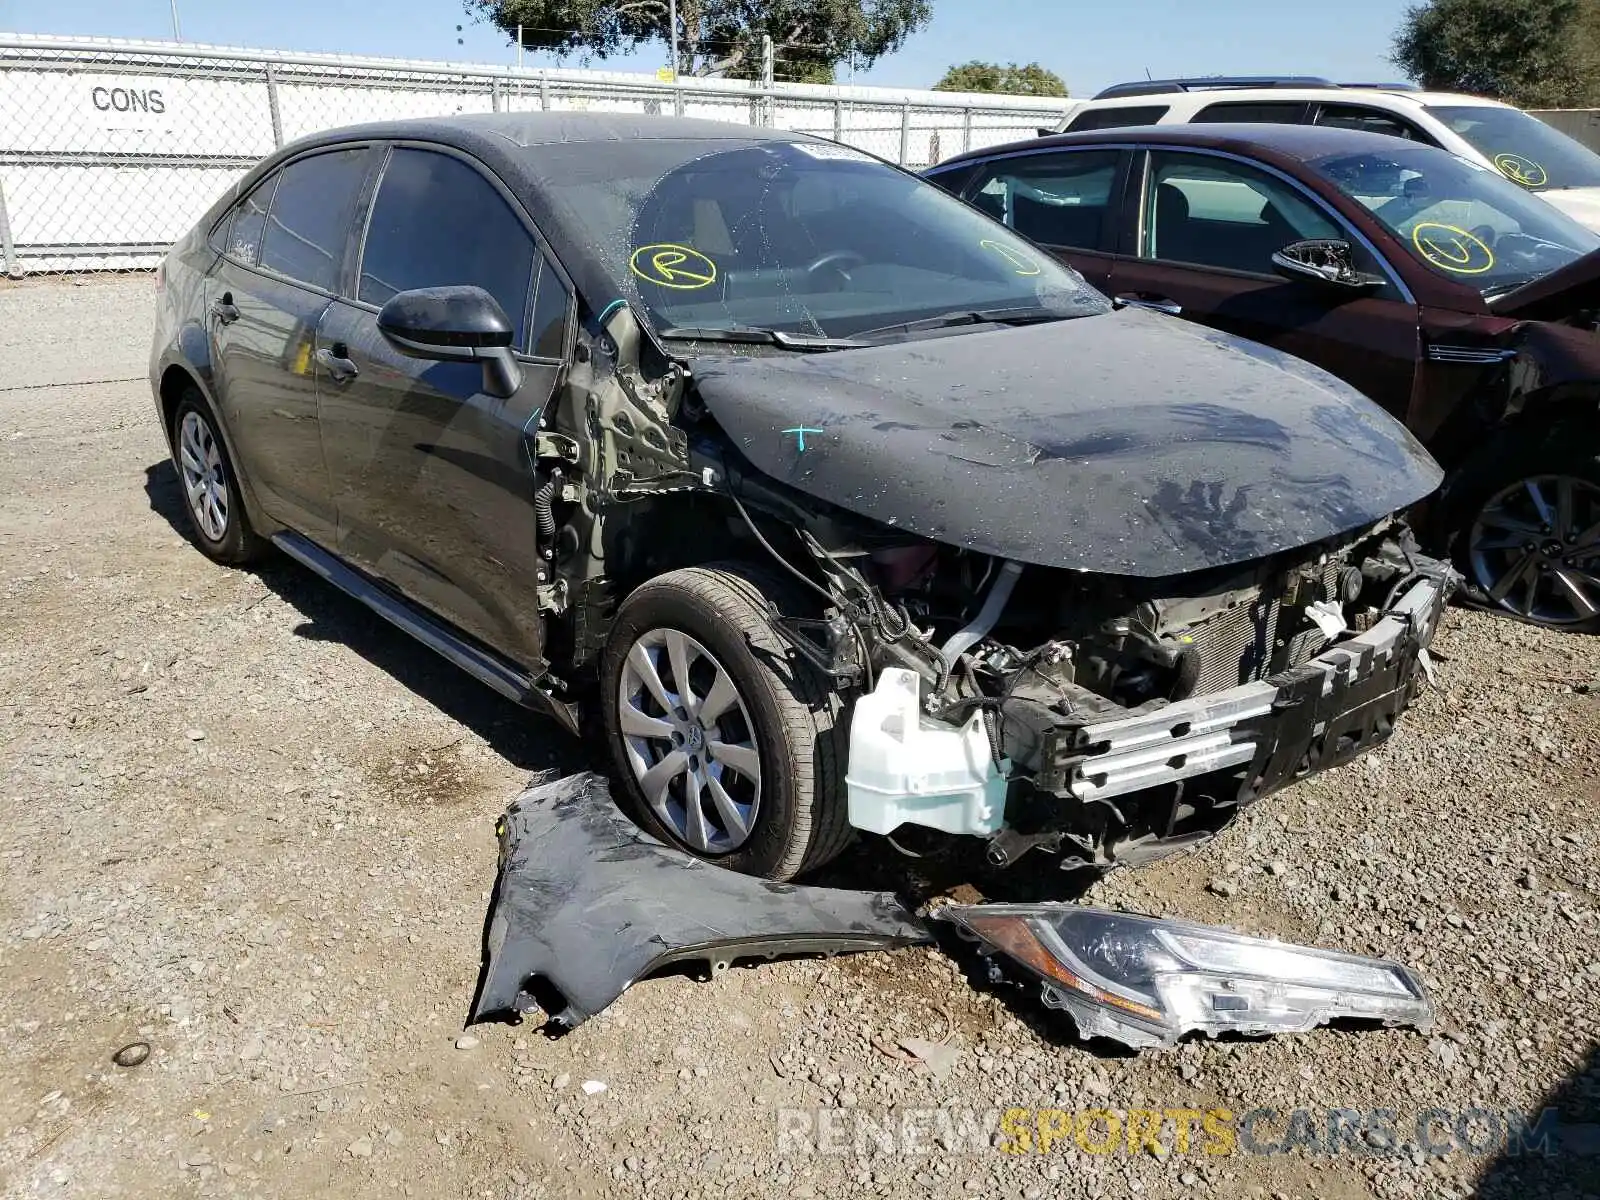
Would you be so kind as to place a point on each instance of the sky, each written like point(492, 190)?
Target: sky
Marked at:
point(1089, 44)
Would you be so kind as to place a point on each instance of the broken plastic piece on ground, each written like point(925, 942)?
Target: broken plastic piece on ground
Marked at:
point(586, 903)
point(1145, 982)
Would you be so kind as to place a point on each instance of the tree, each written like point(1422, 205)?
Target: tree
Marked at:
point(718, 37)
point(975, 76)
point(1533, 53)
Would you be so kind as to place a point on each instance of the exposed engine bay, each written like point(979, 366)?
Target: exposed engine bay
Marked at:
point(1043, 657)
point(1105, 714)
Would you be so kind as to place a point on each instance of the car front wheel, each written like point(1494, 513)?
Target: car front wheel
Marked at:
point(1526, 531)
point(722, 739)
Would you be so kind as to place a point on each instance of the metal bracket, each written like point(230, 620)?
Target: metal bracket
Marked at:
point(836, 655)
point(552, 597)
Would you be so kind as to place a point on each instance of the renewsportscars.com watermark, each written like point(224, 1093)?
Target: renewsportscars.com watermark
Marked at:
point(1213, 1132)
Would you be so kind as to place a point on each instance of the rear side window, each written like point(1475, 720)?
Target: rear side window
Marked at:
point(1119, 117)
point(1061, 199)
point(242, 230)
point(1370, 120)
point(437, 222)
point(1254, 112)
point(310, 218)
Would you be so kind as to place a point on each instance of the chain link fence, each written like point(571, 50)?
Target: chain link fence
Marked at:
point(110, 151)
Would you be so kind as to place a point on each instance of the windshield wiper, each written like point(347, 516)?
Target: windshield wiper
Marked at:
point(759, 337)
point(1027, 315)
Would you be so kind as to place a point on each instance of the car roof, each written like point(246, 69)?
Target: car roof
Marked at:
point(1301, 142)
point(548, 128)
point(510, 145)
point(1199, 96)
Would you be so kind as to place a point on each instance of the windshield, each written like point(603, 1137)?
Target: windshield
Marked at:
point(1527, 150)
point(806, 238)
point(1463, 220)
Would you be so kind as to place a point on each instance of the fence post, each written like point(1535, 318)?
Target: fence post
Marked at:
point(677, 98)
point(7, 246)
point(838, 121)
point(272, 107)
point(966, 130)
point(495, 102)
point(905, 134)
point(544, 94)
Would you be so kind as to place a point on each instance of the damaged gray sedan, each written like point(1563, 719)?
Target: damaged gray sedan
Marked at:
point(826, 500)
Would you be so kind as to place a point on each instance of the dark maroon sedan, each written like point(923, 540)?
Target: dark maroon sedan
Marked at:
point(1461, 303)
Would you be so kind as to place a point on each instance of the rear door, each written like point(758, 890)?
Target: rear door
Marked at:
point(1203, 229)
point(284, 248)
point(1065, 200)
point(433, 479)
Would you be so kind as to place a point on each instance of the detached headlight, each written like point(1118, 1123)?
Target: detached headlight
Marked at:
point(1146, 982)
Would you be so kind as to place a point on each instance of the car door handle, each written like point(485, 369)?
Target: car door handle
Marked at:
point(1158, 304)
point(336, 364)
point(225, 310)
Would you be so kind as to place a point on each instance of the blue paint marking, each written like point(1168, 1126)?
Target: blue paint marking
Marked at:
point(800, 431)
point(609, 309)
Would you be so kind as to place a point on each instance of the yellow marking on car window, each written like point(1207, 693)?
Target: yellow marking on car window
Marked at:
point(669, 265)
point(1522, 170)
point(1022, 264)
point(1453, 249)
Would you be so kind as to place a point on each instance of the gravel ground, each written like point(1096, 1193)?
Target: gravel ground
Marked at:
point(247, 823)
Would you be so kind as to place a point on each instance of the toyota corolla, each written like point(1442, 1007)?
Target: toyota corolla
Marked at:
point(826, 500)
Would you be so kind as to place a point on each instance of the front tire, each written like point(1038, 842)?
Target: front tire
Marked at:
point(1523, 526)
point(723, 740)
point(210, 487)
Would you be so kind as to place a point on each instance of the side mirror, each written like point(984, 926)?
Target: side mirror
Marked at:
point(455, 324)
point(1330, 263)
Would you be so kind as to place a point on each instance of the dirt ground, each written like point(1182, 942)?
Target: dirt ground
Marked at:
point(249, 824)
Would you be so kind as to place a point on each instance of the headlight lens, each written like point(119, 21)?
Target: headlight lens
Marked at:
point(1146, 981)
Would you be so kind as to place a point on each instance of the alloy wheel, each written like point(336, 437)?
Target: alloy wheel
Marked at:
point(1535, 549)
point(690, 741)
point(200, 460)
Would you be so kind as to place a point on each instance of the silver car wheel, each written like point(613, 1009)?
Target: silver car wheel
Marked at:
point(1535, 549)
point(200, 461)
point(690, 741)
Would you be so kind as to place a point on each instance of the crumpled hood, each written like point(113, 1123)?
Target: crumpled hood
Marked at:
point(1128, 444)
point(1555, 296)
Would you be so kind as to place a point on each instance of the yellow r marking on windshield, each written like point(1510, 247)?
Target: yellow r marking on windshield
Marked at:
point(1522, 170)
point(669, 265)
point(1024, 264)
point(1453, 249)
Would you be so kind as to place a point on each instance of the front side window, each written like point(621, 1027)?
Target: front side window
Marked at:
point(1059, 199)
point(1120, 117)
point(1463, 220)
point(1214, 212)
point(794, 237)
point(310, 218)
point(547, 330)
point(1524, 149)
point(437, 222)
point(1368, 120)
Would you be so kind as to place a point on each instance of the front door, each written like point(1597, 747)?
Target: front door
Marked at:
point(1205, 228)
point(433, 479)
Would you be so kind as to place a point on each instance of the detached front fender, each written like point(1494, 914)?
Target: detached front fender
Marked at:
point(587, 903)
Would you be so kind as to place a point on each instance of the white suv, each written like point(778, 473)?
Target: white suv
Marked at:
point(1524, 148)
